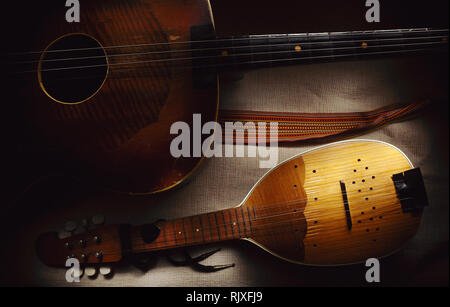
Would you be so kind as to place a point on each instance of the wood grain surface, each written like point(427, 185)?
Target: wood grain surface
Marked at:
point(120, 137)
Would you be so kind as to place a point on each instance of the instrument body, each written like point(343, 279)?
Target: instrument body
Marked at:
point(298, 211)
point(321, 235)
point(119, 136)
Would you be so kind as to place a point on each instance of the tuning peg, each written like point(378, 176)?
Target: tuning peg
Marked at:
point(105, 270)
point(64, 234)
point(90, 271)
point(98, 219)
point(99, 255)
point(70, 226)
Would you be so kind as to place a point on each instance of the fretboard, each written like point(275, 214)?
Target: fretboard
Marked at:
point(229, 224)
point(253, 51)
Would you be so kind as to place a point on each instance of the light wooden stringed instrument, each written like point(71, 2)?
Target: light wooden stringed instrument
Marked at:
point(338, 204)
point(101, 95)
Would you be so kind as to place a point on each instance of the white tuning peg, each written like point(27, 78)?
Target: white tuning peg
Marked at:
point(64, 234)
point(90, 271)
point(77, 273)
point(98, 219)
point(70, 226)
point(105, 270)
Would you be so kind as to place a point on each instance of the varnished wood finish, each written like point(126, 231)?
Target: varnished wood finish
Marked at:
point(379, 224)
point(296, 211)
point(120, 136)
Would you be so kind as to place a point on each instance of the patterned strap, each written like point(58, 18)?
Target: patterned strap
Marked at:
point(305, 126)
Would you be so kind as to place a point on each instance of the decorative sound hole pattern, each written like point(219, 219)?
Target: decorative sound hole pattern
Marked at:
point(362, 192)
point(131, 97)
point(73, 68)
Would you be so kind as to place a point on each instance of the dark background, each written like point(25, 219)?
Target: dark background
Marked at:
point(284, 16)
point(232, 17)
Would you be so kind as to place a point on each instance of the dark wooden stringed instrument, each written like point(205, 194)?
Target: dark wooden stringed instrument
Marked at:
point(102, 94)
point(338, 204)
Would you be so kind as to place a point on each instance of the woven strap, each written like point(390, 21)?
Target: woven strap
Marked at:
point(305, 126)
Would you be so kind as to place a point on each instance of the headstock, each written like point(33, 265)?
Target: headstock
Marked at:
point(92, 247)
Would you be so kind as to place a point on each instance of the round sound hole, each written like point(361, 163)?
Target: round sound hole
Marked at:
point(73, 68)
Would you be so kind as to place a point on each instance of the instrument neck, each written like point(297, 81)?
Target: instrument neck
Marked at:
point(253, 51)
point(224, 225)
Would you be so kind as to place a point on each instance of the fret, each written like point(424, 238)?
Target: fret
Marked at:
point(298, 47)
point(251, 52)
point(237, 222)
point(241, 45)
point(371, 45)
point(331, 44)
point(320, 46)
point(403, 41)
point(200, 227)
point(206, 228)
point(184, 231)
point(229, 221)
point(309, 47)
point(260, 46)
point(233, 52)
point(290, 47)
point(343, 44)
point(174, 233)
point(353, 50)
point(194, 229)
point(210, 227)
point(224, 223)
point(243, 220)
point(273, 49)
point(180, 235)
point(217, 225)
point(212, 220)
point(293, 48)
point(249, 220)
point(270, 50)
point(191, 232)
point(226, 53)
point(163, 233)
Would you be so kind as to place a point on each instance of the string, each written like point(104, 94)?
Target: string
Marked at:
point(187, 237)
point(369, 242)
point(329, 195)
point(393, 229)
point(261, 228)
point(249, 54)
point(250, 38)
point(252, 232)
point(233, 48)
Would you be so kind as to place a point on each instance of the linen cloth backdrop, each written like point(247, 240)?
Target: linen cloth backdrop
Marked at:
point(349, 86)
